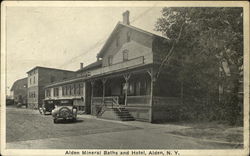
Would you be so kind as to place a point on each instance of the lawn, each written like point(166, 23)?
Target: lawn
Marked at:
point(212, 131)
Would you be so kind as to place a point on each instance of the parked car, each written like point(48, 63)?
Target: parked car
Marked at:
point(64, 110)
point(9, 102)
point(47, 106)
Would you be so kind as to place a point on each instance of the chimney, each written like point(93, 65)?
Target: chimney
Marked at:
point(126, 17)
point(81, 65)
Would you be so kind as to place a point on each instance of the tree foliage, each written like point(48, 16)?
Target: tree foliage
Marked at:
point(208, 43)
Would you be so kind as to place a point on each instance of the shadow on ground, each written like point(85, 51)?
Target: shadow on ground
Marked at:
point(62, 121)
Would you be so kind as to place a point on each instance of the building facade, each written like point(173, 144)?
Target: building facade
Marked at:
point(126, 85)
point(19, 91)
point(38, 77)
point(73, 89)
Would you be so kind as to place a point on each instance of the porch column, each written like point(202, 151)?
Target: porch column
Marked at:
point(126, 77)
point(103, 89)
point(92, 94)
point(153, 79)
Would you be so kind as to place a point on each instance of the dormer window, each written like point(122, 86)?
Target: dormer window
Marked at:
point(125, 55)
point(110, 60)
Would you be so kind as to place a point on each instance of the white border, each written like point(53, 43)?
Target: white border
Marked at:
point(243, 4)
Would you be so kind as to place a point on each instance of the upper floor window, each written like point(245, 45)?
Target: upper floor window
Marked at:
point(34, 79)
point(30, 81)
point(117, 40)
point(52, 78)
point(125, 55)
point(110, 60)
point(128, 36)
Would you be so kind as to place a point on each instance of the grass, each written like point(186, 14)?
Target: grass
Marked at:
point(212, 131)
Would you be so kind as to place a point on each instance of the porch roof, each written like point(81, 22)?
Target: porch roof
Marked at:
point(58, 83)
point(118, 72)
point(138, 69)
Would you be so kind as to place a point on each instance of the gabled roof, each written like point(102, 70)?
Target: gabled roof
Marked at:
point(19, 81)
point(91, 66)
point(49, 69)
point(116, 29)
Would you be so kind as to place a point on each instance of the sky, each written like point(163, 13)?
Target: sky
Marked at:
point(62, 37)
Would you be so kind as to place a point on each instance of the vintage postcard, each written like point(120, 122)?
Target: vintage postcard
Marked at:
point(119, 78)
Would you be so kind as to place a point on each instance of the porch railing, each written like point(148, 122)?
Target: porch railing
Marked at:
point(100, 105)
point(163, 101)
point(118, 66)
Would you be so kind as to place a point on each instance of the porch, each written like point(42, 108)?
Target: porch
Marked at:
point(130, 96)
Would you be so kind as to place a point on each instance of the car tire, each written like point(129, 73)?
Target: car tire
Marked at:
point(40, 111)
point(55, 121)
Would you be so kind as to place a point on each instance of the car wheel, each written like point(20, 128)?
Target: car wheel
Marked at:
point(74, 119)
point(55, 121)
point(41, 111)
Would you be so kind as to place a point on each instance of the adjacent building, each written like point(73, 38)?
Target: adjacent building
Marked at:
point(38, 77)
point(73, 89)
point(19, 91)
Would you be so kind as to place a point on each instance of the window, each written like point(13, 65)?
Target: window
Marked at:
point(72, 89)
point(30, 81)
point(34, 79)
point(117, 41)
point(56, 91)
point(81, 88)
point(64, 91)
point(138, 88)
point(143, 87)
point(110, 60)
point(68, 90)
point(131, 88)
point(52, 78)
point(125, 55)
point(48, 92)
point(128, 36)
point(77, 89)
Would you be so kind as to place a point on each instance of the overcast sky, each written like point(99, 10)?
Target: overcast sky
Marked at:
point(62, 37)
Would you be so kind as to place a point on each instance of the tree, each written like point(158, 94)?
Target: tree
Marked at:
point(208, 41)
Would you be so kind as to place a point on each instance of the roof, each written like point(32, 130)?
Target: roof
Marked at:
point(91, 66)
point(49, 69)
point(19, 81)
point(74, 79)
point(119, 25)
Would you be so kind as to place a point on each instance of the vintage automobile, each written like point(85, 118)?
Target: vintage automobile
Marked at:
point(47, 106)
point(64, 109)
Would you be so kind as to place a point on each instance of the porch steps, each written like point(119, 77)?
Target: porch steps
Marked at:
point(123, 114)
point(115, 114)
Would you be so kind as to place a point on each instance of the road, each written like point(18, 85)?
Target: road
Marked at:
point(27, 129)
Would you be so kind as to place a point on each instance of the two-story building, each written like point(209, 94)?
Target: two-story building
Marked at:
point(127, 79)
point(38, 77)
point(124, 83)
point(73, 89)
